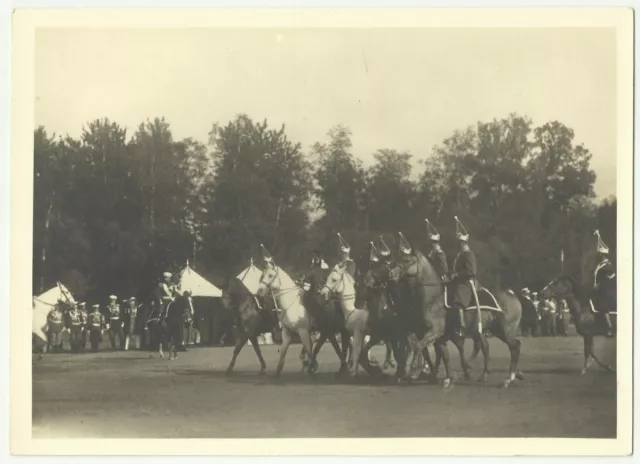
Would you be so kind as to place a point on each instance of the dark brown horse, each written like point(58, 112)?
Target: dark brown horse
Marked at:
point(589, 323)
point(327, 317)
point(433, 324)
point(252, 320)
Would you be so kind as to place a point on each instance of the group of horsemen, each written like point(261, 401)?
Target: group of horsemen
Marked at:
point(461, 283)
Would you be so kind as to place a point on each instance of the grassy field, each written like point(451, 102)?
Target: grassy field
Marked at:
point(125, 394)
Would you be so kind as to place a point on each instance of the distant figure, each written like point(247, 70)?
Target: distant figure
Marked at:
point(115, 323)
point(95, 325)
point(130, 316)
point(529, 321)
point(55, 325)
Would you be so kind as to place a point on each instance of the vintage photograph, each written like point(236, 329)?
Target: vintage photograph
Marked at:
point(325, 232)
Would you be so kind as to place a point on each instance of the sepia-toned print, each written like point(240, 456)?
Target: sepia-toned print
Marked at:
point(336, 232)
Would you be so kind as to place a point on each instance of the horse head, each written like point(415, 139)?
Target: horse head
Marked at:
point(407, 266)
point(270, 280)
point(336, 281)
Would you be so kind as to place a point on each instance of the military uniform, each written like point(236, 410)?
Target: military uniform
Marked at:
point(76, 327)
point(55, 325)
point(464, 268)
point(115, 325)
point(438, 259)
point(95, 326)
point(604, 286)
point(604, 294)
point(84, 316)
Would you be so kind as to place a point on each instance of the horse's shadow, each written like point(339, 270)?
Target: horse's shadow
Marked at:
point(288, 378)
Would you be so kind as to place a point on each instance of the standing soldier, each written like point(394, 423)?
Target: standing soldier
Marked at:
point(345, 258)
point(95, 325)
point(76, 327)
point(115, 323)
point(604, 294)
point(464, 276)
point(83, 314)
point(130, 324)
point(55, 326)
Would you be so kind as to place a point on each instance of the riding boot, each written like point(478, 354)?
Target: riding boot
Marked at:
point(461, 320)
point(607, 318)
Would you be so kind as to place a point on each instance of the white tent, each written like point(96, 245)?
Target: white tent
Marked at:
point(250, 277)
point(198, 286)
point(43, 303)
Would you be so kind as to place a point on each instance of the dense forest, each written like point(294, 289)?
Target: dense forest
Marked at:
point(112, 210)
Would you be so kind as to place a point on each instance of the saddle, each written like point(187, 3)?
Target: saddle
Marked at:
point(487, 301)
point(595, 311)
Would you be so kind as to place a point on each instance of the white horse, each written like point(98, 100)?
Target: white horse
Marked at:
point(293, 314)
point(356, 320)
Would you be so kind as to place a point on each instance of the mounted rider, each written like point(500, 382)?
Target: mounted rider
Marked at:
point(384, 251)
point(345, 258)
point(436, 255)
point(463, 278)
point(604, 290)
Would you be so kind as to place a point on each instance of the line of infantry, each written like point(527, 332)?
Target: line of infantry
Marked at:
point(123, 324)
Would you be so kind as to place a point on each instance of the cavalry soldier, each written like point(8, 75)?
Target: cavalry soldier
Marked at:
point(95, 326)
point(464, 274)
point(76, 326)
point(384, 250)
point(345, 258)
point(604, 284)
point(115, 322)
point(437, 255)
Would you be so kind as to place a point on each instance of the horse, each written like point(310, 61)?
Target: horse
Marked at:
point(588, 322)
point(252, 320)
point(339, 282)
point(384, 323)
point(294, 316)
point(156, 327)
point(176, 314)
point(326, 316)
point(437, 324)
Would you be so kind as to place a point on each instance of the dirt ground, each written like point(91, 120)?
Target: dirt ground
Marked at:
point(126, 395)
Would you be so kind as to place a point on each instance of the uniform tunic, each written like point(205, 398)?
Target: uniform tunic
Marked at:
point(95, 323)
point(439, 261)
point(604, 287)
point(464, 267)
point(350, 267)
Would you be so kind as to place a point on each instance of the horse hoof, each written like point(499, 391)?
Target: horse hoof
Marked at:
point(506, 383)
point(261, 372)
point(447, 384)
point(583, 371)
point(519, 375)
point(229, 372)
point(483, 378)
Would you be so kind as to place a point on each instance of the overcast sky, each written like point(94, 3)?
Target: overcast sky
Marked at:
point(406, 89)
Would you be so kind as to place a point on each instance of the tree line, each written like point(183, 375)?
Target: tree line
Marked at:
point(114, 210)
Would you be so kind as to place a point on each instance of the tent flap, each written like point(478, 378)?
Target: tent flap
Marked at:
point(198, 286)
point(250, 277)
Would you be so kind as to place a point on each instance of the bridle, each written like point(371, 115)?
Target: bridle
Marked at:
point(334, 290)
point(281, 292)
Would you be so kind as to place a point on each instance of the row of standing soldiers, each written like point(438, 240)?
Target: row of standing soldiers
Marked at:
point(121, 324)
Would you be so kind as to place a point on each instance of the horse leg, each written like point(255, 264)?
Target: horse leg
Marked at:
point(256, 348)
point(345, 339)
point(484, 346)
point(388, 360)
point(514, 348)
point(441, 346)
point(286, 341)
point(337, 349)
point(305, 338)
point(358, 345)
point(459, 343)
point(588, 349)
point(241, 339)
point(593, 355)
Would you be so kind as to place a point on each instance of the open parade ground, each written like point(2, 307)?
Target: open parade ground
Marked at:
point(126, 394)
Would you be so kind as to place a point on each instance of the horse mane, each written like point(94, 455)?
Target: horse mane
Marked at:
point(422, 258)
